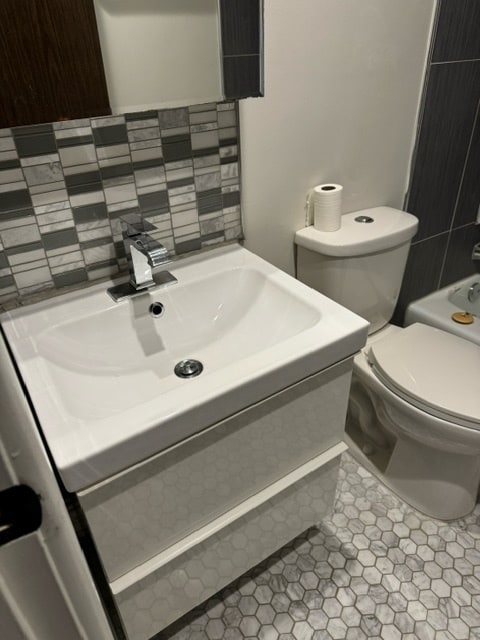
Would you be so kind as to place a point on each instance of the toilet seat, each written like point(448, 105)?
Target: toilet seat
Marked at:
point(433, 370)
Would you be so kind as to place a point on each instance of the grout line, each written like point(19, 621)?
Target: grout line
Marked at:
point(455, 61)
point(457, 199)
point(241, 55)
point(444, 259)
point(467, 155)
point(435, 235)
point(422, 103)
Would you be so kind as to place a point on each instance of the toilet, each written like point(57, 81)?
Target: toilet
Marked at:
point(414, 409)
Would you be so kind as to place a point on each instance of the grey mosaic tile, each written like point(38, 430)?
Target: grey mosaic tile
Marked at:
point(34, 141)
point(231, 198)
point(110, 135)
point(6, 282)
point(63, 238)
point(77, 155)
point(14, 200)
point(177, 149)
point(136, 134)
point(10, 174)
point(70, 278)
point(20, 236)
point(188, 245)
point(79, 133)
point(70, 141)
point(89, 176)
point(375, 569)
point(90, 213)
point(210, 201)
point(170, 118)
point(64, 186)
point(138, 117)
point(205, 140)
point(6, 162)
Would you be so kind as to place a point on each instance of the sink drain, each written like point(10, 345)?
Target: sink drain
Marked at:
point(156, 309)
point(188, 368)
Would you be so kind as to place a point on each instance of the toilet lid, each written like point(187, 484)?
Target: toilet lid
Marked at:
point(433, 370)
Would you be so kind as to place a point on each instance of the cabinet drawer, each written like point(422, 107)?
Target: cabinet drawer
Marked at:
point(164, 595)
point(135, 515)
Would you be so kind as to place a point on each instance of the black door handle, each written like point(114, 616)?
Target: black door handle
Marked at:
point(20, 512)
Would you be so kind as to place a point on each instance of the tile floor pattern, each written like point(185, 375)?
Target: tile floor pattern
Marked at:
point(376, 569)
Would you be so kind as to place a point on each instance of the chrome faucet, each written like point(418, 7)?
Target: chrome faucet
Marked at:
point(143, 252)
point(144, 256)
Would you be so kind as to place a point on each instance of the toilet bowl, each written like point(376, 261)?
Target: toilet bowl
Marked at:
point(429, 408)
point(414, 410)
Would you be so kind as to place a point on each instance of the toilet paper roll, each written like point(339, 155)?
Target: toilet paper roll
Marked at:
point(327, 207)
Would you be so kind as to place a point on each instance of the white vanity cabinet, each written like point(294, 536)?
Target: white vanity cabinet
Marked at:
point(174, 529)
point(188, 483)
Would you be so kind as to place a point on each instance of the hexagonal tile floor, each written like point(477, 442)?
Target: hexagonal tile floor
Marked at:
point(376, 569)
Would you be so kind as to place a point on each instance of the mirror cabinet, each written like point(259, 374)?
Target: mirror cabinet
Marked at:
point(68, 59)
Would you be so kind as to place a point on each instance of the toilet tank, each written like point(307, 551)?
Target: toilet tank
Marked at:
point(361, 265)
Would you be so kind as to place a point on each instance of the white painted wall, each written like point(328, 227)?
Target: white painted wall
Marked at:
point(343, 80)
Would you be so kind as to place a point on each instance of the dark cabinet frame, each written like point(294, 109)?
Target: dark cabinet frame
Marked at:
point(51, 64)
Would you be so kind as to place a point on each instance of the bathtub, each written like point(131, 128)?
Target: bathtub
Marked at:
point(437, 308)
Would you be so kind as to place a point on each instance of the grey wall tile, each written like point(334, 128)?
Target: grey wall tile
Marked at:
point(451, 104)
point(154, 201)
point(189, 245)
point(90, 213)
point(85, 177)
point(63, 238)
point(422, 274)
point(70, 278)
point(172, 118)
point(116, 134)
point(209, 201)
point(458, 259)
point(231, 199)
point(60, 227)
point(445, 185)
point(15, 200)
point(176, 150)
point(5, 282)
point(142, 115)
point(457, 31)
point(34, 143)
point(12, 163)
point(469, 197)
point(240, 25)
point(73, 141)
point(241, 76)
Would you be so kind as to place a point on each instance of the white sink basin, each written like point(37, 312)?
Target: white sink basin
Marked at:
point(101, 374)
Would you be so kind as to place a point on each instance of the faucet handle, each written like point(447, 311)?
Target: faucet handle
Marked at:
point(476, 252)
point(154, 251)
point(133, 224)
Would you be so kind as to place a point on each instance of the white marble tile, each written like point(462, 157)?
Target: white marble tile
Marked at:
point(32, 277)
point(81, 154)
point(392, 598)
point(20, 235)
point(145, 133)
point(11, 175)
point(89, 197)
point(18, 259)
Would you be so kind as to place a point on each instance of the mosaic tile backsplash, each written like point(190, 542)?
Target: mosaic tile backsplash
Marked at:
point(64, 186)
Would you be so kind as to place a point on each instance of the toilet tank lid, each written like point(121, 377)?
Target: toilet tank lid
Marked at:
point(390, 228)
